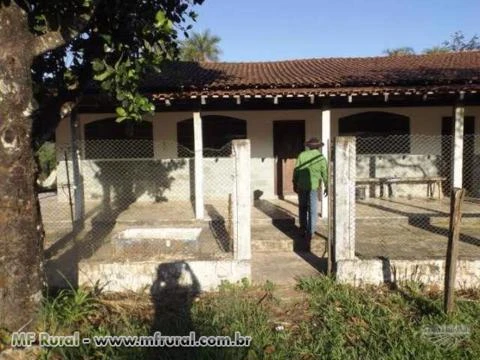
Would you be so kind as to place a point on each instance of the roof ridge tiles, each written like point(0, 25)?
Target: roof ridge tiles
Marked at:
point(318, 73)
point(381, 57)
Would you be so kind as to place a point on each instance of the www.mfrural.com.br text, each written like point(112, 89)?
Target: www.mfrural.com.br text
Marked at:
point(44, 339)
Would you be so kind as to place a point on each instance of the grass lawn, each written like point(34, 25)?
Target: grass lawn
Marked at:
point(319, 319)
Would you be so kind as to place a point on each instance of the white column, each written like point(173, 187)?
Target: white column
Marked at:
point(344, 192)
point(458, 132)
point(242, 203)
point(198, 147)
point(326, 131)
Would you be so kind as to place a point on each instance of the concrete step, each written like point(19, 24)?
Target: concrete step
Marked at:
point(284, 245)
point(286, 267)
point(282, 235)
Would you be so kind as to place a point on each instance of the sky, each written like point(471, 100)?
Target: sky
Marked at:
point(267, 30)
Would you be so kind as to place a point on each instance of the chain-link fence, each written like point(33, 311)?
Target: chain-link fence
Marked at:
point(136, 200)
point(402, 190)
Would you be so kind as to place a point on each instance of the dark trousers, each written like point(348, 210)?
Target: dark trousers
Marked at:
point(307, 213)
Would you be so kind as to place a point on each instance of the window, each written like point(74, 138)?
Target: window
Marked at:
point(108, 139)
point(377, 132)
point(217, 131)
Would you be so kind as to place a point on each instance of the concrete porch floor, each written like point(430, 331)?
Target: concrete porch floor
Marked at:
point(401, 228)
point(396, 228)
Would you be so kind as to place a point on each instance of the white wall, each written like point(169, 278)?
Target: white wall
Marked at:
point(423, 121)
point(259, 131)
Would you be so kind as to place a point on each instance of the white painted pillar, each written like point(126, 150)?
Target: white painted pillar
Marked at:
point(458, 132)
point(198, 165)
point(242, 201)
point(344, 192)
point(326, 132)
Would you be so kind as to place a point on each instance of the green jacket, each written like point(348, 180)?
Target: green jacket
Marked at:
point(310, 168)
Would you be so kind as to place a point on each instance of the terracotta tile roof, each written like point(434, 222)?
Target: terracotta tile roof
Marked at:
point(439, 71)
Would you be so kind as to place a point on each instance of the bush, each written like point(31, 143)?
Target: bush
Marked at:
point(47, 160)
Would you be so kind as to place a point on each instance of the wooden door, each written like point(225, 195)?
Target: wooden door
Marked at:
point(288, 142)
point(468, 152)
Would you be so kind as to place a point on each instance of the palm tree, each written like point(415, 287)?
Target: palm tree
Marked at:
point(200, 47)
point(401, 51)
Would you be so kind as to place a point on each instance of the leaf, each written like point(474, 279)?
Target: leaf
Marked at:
point(103, 76)
point(162, 21)
point(40, 23)
point(119, 61)
point(98, 65)
point(160, 18)
point(121, 112)
point(147, 45)
point(120, 96)
point(107, 85)
point(107, 38)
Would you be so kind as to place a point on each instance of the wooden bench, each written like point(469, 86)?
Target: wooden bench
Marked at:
point(431, 181)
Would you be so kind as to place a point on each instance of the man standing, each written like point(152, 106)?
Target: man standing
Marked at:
point(310, 169)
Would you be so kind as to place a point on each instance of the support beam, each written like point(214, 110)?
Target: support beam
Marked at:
point(326, 131)
point(344, 192)
point(198, 165)
point(458, 132)
point(242, 203)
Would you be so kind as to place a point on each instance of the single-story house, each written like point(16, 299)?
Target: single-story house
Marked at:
point(279, 104)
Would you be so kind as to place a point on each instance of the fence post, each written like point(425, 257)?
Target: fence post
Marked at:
point(242, 203)
point(198, 145)
point(456, 201)
point(344, 202)
point(70, 202)
point(326, 125)
point(330, 220)
point(458, 132)
point(78, 193)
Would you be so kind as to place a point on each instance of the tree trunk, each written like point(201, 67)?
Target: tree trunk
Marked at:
point(21, 231)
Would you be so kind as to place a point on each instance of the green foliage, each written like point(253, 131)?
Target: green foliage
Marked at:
point(436, 50)
point(401, 51)
point(116, 43)
point(458, 42)
point(84, 311)
point(333, 321)
point(380, 323)
point(46, 158)
point(200, 47)
point(67, 309)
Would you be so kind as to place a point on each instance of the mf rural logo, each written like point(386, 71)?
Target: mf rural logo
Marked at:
point(447, 335)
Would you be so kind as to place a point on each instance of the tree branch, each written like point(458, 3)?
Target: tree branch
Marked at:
point(49, 41)
point(54, 39)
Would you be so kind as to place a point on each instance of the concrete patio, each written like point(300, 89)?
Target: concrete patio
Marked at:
point(396, 228)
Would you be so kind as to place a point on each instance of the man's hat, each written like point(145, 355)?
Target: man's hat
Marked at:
point(313, 143)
